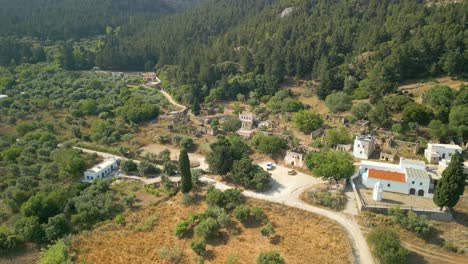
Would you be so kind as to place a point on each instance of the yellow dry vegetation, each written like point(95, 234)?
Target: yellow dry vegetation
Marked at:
point(305, 238)
point(418, 88)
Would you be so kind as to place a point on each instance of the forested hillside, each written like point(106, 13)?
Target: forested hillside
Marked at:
point(372, 45)
point(63, 19)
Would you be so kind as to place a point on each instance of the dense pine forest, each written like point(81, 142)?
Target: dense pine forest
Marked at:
point(370, 45)
point(380, 42)
point(63, 19)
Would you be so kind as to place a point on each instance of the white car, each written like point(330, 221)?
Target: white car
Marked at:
point(269, 166)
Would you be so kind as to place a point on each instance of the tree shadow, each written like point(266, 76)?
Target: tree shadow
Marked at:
point(390, 201)
point(276, 239)
point(274, 187)
point(221, 239)
point(209, 255)
point(460, 217)
point(415, 258)
point(434, 237)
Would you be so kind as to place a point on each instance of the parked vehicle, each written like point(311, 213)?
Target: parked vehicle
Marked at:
point(269, 166)
point(292, 172)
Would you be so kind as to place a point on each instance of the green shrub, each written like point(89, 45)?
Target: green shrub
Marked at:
point(208, 228)
point(199, 247)
point(242, 213)
point(257, 214)
point(146, 224)
point(223, 219)
point(120, 219)
point(232, 198)
point(386, 246)
point(8, 239)
point(410, 221)
point(336, 201)
point(271, 257)
point(215, 197)
point(232, 259)
point(183, 228)
point(449, 246)
point(56, 254)
point(219, 214)
point(268, 230)
point(173, 255)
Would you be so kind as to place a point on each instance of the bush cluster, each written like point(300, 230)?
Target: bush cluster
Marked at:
point(334, 200)
point(386, 246)
point(247, 214)
point(410, 221)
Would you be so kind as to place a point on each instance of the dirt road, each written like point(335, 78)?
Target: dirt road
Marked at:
point(361, 251)
point(103, 154)
point(172, 101)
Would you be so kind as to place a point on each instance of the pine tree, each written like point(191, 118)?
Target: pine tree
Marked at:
point(184, 167)
point(452, 184)
point(195, 107)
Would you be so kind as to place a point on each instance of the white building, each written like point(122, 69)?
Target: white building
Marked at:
point(101, 170)
point(407, 177)
point(437, 152)
point(3, 96)
point(443, 164)
point(363, 146)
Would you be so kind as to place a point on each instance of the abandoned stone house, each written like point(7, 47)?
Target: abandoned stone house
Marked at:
point(247, 121)
point(388, 155)
point(411, 147)
point(344, 147)
point(150, 77)
point(295, 156)
point(118, 74)
point(295, 159)
point(207, 111)
point(317, 133)
point(202, 130)
point(268, 124)
point(341, 119)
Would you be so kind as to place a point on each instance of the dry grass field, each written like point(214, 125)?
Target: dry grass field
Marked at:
point(418, 88)
point(305, 238)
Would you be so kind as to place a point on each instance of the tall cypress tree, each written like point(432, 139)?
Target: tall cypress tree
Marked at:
point(196, 106)
point(452, 184)
point(184, 167)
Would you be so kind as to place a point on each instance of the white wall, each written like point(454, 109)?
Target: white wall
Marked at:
point(442, 151)
point(399, 187)
point(417, 185)
point(359, 150)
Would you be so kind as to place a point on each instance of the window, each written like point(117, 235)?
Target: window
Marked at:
point(365, 169)
point(420, 183)
point(360, 152)
point(388, 185)
point(412, 182)
point(358, 145)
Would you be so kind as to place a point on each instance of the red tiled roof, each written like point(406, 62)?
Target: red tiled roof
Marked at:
point(386, 175)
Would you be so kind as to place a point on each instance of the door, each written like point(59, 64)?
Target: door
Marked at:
point(412, 191)
point(421, 193)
